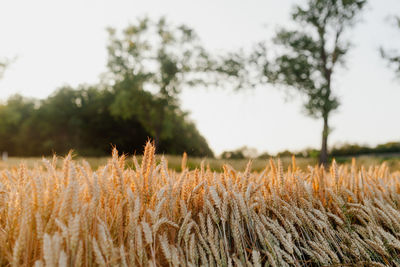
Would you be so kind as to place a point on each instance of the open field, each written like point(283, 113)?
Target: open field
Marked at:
point(174, 162)
point(64, 213)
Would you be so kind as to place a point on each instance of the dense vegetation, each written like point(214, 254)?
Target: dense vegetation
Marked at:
point(307, 58)
point(149, 215)
point(149, 64)
point(81, 119)
point(393, 56)
point(354, 149)
point(344, 150)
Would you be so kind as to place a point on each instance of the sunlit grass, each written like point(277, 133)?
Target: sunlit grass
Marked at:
point(174, 162)
point(140, 212)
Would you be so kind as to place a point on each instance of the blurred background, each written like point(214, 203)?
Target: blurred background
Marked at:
point(227, 79)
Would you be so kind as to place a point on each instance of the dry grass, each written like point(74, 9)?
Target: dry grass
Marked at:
point(149, 215)
point(174, 162)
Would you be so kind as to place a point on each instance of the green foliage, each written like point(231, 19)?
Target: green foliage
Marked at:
point(240, 153)
point(356, 150)
point(264, 155)
point(311, 52)
point(231, 70)
point(157, 56)
point(391, 149)
point(13, 116)
point(185, 138)
point(309, 55)
point(149, 66)
point(285, 153)
point(81, 120)
point(392, 56)
point(310, 153)
point(235, 154)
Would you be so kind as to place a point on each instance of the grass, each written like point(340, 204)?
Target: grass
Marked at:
point(127, 212)
point(174, 162)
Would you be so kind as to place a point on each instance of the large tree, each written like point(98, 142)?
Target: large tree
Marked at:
point(150, 64)
point(308, 56)
point(392, 55)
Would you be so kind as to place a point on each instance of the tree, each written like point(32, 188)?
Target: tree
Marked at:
point(150, 64)
point(80, 119)
point(309, 55)
point(392, 56)
point(240, 153)
point(13, 113)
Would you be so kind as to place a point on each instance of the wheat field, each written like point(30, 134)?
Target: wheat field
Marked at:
point(149, 215)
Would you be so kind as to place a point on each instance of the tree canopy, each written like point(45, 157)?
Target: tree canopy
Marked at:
point(150, 64)
point(80, 119)
point(308, 55)
point(392, 56)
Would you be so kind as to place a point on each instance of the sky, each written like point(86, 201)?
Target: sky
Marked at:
point(58, 43)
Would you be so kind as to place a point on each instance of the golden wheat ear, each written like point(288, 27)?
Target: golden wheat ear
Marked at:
point(149, 215)
point(184, 161)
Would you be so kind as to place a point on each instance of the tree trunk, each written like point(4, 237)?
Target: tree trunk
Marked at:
point(323, 156)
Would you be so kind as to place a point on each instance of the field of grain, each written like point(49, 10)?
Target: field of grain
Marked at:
point(215, 164)
point(64, 213)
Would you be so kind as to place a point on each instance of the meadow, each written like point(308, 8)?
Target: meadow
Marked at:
point(215, 164)
point(128, 211)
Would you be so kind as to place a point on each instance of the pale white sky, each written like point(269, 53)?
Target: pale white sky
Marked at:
point(64, 42)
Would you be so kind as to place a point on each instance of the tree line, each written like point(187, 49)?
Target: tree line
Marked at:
point(344, 150)
point(151, 62)
point(80, 118)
